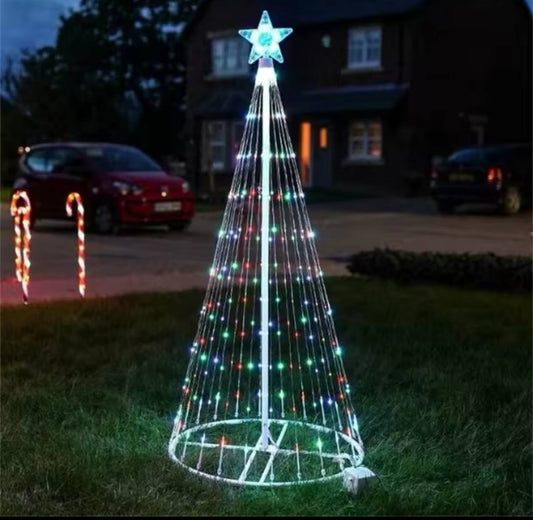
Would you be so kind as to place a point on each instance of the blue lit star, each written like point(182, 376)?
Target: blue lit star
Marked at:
point(265, 39)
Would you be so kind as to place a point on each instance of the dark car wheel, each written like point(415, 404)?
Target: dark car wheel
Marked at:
point(512, 201)
point(104, 219)
point(445, 207)
point(181, 225)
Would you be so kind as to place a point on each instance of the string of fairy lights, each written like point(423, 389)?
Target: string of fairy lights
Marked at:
point(307, 377)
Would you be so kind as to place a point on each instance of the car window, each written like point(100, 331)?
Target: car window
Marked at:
point(119, 158)
point(36, 160)
point(65, 160)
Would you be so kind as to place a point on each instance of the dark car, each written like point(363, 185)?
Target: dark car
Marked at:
point(118, 184)
point(498, 175)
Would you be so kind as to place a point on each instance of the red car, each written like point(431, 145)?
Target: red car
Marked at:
point(119, 185)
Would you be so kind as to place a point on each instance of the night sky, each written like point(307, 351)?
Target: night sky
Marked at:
point(29, 23)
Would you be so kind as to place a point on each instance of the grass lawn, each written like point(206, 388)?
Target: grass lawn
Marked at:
point(442, 385)
point(5, 194)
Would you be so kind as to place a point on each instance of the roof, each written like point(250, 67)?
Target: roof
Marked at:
point(309, 12)
point(372, 98)
point(223, 102)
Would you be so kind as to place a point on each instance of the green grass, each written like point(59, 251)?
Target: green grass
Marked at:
point(442, 387)
point(5, 194)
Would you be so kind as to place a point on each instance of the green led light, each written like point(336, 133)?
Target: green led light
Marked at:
point(278, 300)
point(287, 196)
point(217, 397)
point(221, 368)
point(278, 332)
point(230, 300)
point(255, 280)
point(274, 229)
point(203, 357)
point(250, 366)
point(225, 334)
point(338, 351)
point(303, 319)
point(252, 322)
point(211, 317)
point(234, 265)
point(281, 366)
point(219, 276)
point(281, 394)
point(309, 362)
point(319, 444)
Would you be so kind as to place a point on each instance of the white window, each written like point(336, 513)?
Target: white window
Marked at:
point(365, 140)
point(215, 145)
point(364, 48)
point(230, 56)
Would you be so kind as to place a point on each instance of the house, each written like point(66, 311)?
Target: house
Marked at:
point(373, 89)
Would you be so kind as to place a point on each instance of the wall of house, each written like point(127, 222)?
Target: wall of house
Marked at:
point(468, 58)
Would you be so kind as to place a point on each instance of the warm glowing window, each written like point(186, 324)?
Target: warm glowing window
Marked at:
point(364, 47)
point(305, 152)
point(323, 137)
point(365, 139)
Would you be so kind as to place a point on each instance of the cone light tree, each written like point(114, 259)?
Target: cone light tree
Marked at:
point(265, 400)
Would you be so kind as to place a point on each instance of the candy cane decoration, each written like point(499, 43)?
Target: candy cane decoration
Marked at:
point(22, 239)
point(81, 238)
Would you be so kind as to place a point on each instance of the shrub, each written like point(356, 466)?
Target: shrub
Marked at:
point(482, 271)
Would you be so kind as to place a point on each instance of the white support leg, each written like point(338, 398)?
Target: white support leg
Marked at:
point(265, 77)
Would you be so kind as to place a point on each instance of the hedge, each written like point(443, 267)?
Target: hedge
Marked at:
point(482, 271)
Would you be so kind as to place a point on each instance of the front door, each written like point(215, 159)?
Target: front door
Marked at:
point(322, 170)
point(315, 154)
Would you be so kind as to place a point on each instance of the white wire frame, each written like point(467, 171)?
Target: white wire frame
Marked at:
point(355, 460)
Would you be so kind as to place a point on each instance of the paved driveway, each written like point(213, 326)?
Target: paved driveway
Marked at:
point(156, 259)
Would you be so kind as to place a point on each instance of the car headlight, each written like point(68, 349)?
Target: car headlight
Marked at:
point(125, 188)
point(185, 186)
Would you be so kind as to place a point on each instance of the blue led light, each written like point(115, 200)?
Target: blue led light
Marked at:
point(265, 39)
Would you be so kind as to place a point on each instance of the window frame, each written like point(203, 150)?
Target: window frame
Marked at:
point(366, 139)
point(365, 63)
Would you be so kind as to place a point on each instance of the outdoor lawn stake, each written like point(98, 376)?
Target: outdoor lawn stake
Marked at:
point(22, 213)
point(81, 237)
point(265, 400)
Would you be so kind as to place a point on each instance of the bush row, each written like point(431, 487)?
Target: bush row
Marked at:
point(482, 271)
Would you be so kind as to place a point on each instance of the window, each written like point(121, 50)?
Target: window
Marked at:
point(36, 161)
point(365, 140)
point(230, 56)
point(237, 131)
point(64, 160)
point(121, 158)
point(364, 48)
point(215, 145)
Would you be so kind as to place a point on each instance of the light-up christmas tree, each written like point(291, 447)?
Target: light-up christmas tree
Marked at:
point(265, 400)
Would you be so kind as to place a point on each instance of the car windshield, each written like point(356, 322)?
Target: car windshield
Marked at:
point(118, 158)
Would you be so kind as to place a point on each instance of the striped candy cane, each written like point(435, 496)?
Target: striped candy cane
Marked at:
point(22, 239)
point(81, 238)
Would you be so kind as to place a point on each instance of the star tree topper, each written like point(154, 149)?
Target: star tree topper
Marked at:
point(265, 39)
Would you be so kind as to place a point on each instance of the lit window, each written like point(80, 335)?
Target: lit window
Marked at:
point(215, 145)
point(365, 140)
point(230, 56)
point(364, 48)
